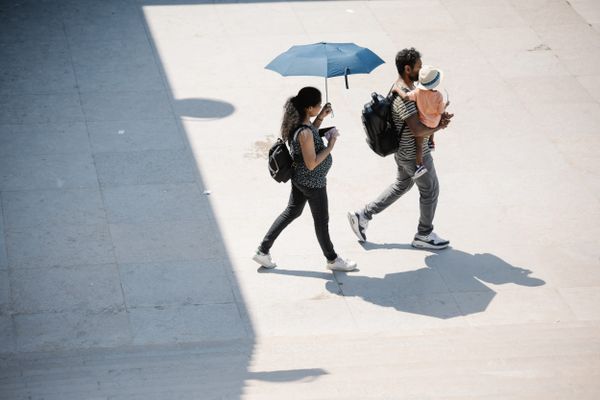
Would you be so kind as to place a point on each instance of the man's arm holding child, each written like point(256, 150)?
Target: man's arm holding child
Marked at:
point(419, 130)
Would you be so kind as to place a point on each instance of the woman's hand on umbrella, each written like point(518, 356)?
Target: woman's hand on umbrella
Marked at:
point(325, 111)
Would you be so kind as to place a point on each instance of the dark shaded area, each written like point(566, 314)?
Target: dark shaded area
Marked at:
point(389, 246)
point(44, 44)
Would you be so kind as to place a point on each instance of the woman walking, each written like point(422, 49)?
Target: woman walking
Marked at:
point(312, 160)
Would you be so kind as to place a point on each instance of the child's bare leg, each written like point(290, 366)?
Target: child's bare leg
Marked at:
point(419, 149)
point(420, 170)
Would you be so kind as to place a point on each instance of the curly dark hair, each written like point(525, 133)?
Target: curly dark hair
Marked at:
point(406, 57)
point(294, 110)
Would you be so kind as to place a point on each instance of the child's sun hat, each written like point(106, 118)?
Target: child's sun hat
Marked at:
point(429, 77)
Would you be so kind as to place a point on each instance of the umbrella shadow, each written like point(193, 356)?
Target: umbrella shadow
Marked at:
point(197, 108)
point(453, 283)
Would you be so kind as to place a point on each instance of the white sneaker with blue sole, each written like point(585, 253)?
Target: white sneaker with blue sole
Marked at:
point(431, 241)
point(358, 223)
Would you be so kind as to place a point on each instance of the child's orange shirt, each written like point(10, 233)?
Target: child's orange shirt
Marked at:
point(430, 104)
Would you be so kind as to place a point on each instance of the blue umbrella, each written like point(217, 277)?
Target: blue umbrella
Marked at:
point(326, 60)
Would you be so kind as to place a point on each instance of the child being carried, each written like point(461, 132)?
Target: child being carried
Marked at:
point(431, 106)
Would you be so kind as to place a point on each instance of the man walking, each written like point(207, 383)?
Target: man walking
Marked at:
point(406, 121)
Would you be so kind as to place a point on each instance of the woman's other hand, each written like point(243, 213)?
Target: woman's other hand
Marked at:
point(332, 136)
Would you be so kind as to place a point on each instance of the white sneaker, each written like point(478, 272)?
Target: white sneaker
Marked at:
point(431, 241)
point(340, 264)
point(264, 259)
point(358, 223)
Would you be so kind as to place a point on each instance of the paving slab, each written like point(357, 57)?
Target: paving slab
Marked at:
point(114, 56)
point(495, 14)
point(3, 258)
point(543, 305)
point(166, 241)
point(591, 83)
point(31, 22)
point(43, 74)
point(42, 139)
point(577, 63)
point(4, 292)
point(35, 208)
point(107, 137)
point(92, 288)
point(553, 13)
point(588, 9)
point(59, 244)
point(583, 301)
point(70, 330)
point(125, 106)
point(569, 36)
point(7, 344)
point(51, 171)
point(171, 283)
point(185, 323)
point(138, 204)
point(144, 167)
point(129, 78)
point(40, 108)
point(94, 28)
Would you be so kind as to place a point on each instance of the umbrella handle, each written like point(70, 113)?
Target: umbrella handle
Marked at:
point(327, 96)
point(346, 77)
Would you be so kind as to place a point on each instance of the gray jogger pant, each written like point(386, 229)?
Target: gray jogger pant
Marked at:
point(428, 189)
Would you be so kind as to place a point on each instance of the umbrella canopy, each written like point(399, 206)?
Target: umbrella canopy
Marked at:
point(326, 60)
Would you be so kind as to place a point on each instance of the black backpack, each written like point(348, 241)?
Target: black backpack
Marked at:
point(281, 163)
point(382, 136)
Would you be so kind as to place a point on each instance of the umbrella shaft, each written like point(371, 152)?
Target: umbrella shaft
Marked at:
point(327, 96)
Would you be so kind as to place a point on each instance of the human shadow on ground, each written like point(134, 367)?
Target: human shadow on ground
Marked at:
point(202, 108)
point(388, 246)
point(454, 283)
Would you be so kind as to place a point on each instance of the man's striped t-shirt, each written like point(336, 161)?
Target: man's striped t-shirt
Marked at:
point(401, 110)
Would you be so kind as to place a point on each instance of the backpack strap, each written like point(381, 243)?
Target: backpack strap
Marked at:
point(392, 98)
point(390, 91)
point(297, 131)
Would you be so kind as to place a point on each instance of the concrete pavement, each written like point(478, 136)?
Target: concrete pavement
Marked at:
point(134, 188)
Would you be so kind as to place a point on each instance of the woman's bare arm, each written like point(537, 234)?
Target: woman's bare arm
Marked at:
point(307, 146)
